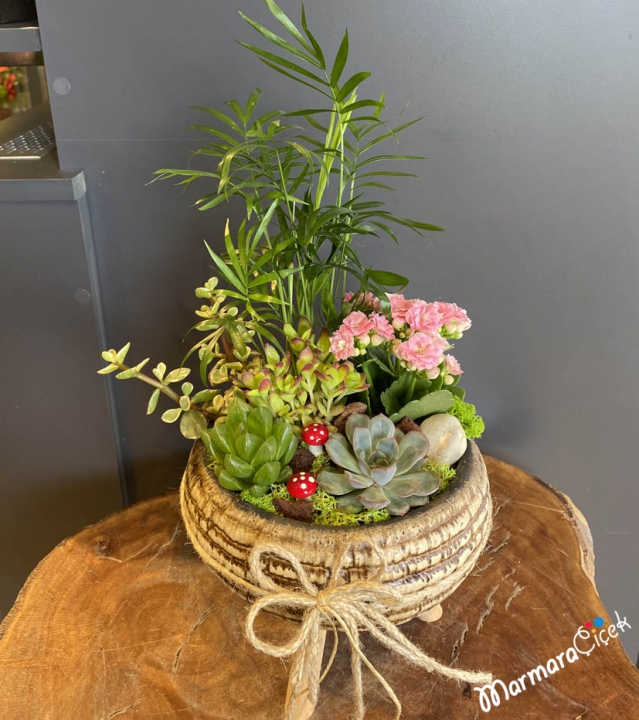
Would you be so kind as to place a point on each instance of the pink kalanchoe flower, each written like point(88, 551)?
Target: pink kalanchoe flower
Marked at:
point(358, 323)
point(424, 317)
point(452, 366)
point(422, 351)
point(367, 300)
point(382, 327)
point(343, 343)
point(399, 307)
point(455, 320)
point(372, 301)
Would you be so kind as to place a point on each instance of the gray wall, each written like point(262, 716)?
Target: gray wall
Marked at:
point(532, 133)
point(58, 469)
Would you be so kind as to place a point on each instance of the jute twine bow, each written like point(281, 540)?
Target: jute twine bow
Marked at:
point(360, 604)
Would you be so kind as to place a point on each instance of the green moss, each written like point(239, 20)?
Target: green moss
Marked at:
point(445, 473)
point(325, 510)
point(467, 415)
point(319, 462)
point(266, 501)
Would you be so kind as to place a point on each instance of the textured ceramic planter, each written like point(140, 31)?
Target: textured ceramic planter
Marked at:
point(433, 548)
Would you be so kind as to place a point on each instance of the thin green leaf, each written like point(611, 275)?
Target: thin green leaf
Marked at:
point(213, 131)
point(212, 203)
point(386, 173)
point(280, 42)
point(308, 111)
point(267, 299)
point(391, 133)
point(340, 60)
point(232, 255)
point(286, 23)
point(220, 116)
point(385, 277)
point(413, 224)
point(186, 173)
point(379, 158)
point(351, 84)
point(386, 229)
point(316, 46)
point(283, 62)
point(225, 270)
point(254, 98)
point(293, 77)
point(237, 109)
point(358, 105)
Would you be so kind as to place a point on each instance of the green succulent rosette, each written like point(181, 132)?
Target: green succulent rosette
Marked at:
point(380, 467)
point(252, 449)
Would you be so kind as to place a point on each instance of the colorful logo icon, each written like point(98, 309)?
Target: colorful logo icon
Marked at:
point(593, 626)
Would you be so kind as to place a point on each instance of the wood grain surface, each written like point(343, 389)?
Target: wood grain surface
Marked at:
point(124, 621)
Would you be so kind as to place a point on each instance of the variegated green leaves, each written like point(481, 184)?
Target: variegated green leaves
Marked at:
point(193, 411)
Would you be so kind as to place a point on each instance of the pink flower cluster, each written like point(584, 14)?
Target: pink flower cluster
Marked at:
point(357, 332)
point(446, 318)
point(418, 335)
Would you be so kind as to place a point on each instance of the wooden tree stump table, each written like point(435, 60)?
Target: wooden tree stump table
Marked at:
point(124, 621)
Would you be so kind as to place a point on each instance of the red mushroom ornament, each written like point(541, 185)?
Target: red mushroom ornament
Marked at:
point(301, 485)
point(315, 436)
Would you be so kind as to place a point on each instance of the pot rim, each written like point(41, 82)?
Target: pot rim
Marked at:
point(464, 475)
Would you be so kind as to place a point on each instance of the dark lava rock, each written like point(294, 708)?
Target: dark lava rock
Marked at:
point(295, 510)
point(340, 421)
point(407, 425)
point(302, 460)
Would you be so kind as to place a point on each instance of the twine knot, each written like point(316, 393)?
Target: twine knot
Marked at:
point(351, 607)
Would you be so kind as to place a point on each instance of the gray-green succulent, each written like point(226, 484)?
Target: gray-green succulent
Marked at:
point(381, 467)
point(252, 449)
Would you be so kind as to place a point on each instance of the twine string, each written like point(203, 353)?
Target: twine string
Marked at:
point(352, 606)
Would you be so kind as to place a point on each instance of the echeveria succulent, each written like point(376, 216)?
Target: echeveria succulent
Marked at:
point(252, 449)
point(381, 467)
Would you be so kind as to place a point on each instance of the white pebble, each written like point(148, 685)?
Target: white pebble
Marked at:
point(446, 437)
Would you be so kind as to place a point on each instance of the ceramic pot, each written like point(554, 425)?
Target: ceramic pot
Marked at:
point(426, 553)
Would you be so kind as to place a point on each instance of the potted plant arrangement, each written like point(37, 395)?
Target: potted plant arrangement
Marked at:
point(334, 448)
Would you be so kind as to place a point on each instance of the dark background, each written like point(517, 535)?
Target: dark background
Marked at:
point(531, 130)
